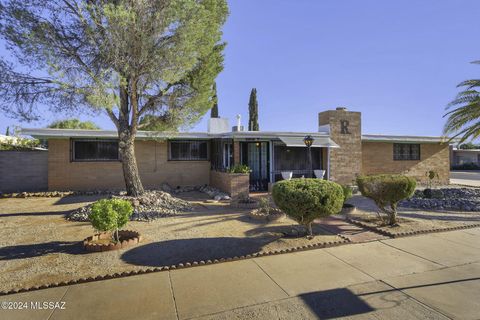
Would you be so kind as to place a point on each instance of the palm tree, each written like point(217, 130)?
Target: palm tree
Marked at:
point(463, 120)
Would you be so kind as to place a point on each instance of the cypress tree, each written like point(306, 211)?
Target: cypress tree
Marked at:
point(253, 112)
point(214, 110)
point(8, 131)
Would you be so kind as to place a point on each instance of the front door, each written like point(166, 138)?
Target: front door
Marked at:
point(256, 156)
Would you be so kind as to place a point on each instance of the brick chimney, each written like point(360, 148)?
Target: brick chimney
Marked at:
point(346, 131)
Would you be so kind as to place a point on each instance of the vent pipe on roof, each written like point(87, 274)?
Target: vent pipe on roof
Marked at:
point(239, 126)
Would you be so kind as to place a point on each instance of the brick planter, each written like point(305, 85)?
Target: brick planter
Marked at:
point(235, 184)
point(129, 238)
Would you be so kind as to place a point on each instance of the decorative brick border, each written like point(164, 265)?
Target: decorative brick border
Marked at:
point(318, 245)
point(133, 238)
point(410, 233)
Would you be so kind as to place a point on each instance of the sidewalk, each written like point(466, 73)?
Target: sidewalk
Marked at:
point(434, 276)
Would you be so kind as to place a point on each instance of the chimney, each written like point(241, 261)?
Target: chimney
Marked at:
point(239, 126)
point(344, 127)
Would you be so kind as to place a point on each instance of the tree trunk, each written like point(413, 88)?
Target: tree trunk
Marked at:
point(392, 218)
point(133, 184)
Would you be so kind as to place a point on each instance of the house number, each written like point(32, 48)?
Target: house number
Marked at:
point(344, 127)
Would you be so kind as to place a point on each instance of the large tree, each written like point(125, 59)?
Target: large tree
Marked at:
point(73, 124)
point(131, 59)
point(463, 117)
point(253, 111)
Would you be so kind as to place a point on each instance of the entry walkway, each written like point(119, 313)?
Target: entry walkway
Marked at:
point(434, 276)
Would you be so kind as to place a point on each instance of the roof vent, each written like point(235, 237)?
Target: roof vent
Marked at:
point(341, 109)
point(239, 126)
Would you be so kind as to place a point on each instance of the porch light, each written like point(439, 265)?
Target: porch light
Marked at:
point(308, 140)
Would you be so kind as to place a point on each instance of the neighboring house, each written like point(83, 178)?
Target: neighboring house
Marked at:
point(460, 157)
point(88, 159)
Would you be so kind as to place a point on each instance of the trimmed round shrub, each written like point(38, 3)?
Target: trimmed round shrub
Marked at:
point(110, 215)
point(387, 190)
point(305, 200)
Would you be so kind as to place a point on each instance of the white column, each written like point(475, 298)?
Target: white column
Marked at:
point(328, 163)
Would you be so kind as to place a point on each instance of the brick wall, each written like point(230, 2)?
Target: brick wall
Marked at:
point(236, 153)
point(23, 171)
point(377, 158)
point(346, 161)
point(152, 160)
point(235, 184)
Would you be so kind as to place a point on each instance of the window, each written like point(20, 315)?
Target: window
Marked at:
point(95, 150)
point(406, 151)
point(227, 155)
point(188, 150)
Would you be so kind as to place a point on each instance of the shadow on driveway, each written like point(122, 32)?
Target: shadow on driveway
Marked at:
point(335, 303)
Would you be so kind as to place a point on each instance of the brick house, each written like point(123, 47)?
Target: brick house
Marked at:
point(88, 159)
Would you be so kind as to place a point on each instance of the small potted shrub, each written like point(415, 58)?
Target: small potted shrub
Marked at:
point(387, 190)
point(240, 168)
point(305, 200)
point(108, 216)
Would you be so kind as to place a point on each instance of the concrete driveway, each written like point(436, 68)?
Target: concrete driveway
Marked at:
point(466, 178)
point(435, 276)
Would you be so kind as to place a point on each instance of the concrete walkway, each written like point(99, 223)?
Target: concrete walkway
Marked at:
point(434, 276)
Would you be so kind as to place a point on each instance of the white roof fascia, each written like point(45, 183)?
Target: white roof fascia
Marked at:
point(403, 139)
point(110, 134)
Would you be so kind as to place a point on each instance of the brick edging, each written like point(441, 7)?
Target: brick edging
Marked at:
point(116, 275)
point(411, 233)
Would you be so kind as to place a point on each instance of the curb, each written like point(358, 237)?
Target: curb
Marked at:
point(178, 266)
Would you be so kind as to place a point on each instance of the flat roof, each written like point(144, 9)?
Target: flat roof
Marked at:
point(405, 139)
point(47, 133)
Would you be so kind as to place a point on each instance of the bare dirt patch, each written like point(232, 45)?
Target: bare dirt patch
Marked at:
point(38, 245)
point(411, 220)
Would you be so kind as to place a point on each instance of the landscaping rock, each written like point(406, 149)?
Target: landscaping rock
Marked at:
point(150, 206)
point(461, 199)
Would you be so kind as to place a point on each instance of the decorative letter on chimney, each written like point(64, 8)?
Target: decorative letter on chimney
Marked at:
point(344, 127)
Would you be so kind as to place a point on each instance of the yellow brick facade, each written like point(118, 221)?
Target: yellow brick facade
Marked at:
point(377, 158)
point(152, 160)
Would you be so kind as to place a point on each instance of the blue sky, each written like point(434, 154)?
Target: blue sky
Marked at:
point(398, 62)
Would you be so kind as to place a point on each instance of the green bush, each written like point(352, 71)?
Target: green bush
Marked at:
point(239, 168)
point(110, 215)
point(305, 200)
point(347, 192)
point(387, 190)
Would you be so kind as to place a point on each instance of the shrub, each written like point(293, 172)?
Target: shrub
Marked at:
point(239, 168)
point(347, 193)
point(110, 215)
point(387, 190)
point(305, 200)
point(431, 176)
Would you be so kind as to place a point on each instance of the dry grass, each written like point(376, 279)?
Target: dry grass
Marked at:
point(37, 245)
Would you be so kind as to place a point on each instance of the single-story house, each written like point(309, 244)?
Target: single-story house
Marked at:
point(88, 159)
point(462, 157)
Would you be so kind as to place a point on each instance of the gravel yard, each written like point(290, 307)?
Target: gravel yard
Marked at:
point(412, 219)
point(38, 245)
